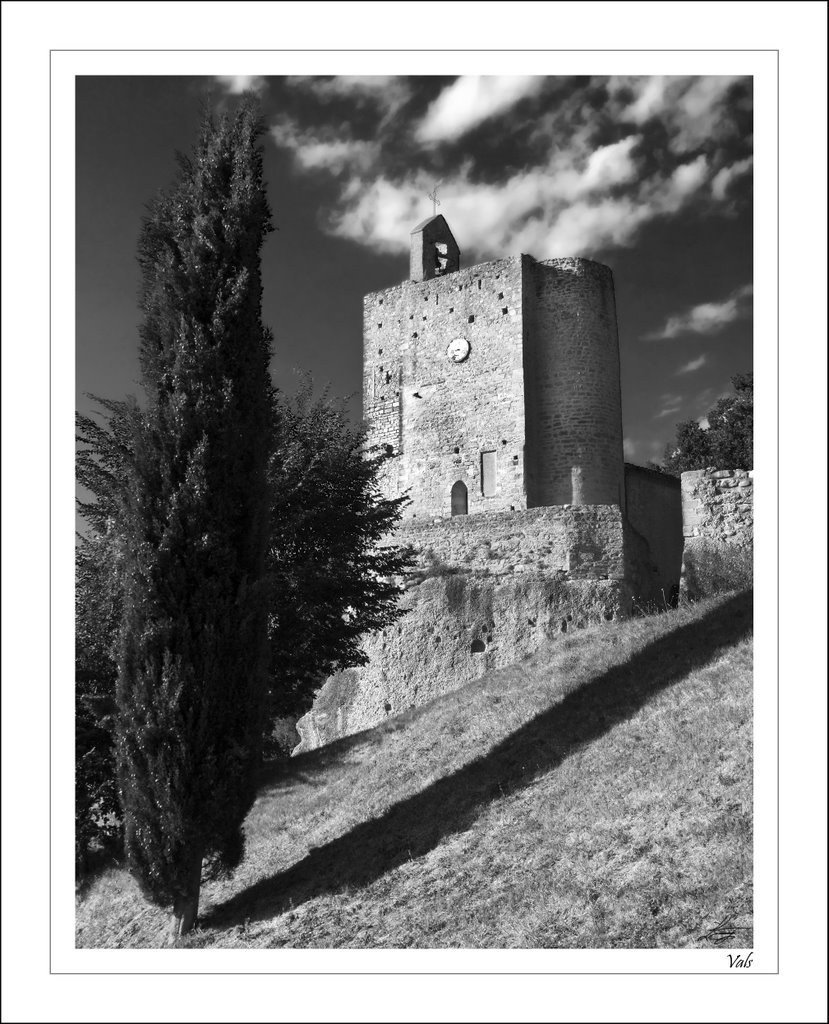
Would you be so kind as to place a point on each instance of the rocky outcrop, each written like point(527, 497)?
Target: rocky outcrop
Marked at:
point(456, 627)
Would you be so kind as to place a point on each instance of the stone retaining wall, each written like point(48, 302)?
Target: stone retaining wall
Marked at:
point(718, 530)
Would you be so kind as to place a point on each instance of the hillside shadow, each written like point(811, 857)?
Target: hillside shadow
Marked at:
point(413, 827)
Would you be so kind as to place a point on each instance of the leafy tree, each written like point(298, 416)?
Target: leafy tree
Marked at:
point(691, 449)
point(727, 443)
point(731, 425)
point(332, 582)
point(97, 609)
point(184, 481)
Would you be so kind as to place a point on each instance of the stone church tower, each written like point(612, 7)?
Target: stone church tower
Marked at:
point(496, 391)
point(495, 388)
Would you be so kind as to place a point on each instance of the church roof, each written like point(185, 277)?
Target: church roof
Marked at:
point(423, 223)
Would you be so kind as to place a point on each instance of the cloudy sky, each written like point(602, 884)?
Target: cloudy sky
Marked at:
point(651, 175)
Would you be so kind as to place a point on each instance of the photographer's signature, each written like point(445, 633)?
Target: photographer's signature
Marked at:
point(733, 928)
point(727, 932)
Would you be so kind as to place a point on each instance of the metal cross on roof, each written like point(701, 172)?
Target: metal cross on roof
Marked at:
point(433, 195)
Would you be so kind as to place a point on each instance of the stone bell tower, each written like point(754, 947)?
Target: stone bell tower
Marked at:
point(494, 388)
point(434, 251)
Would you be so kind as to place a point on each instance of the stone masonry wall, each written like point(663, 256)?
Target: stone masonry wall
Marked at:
point(574, 406)
point(717, 504)
point(539, 390)
point(440, 416)
point(718, 529)
point(579, 541)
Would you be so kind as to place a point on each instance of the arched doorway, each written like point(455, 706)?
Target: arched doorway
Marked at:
point(460, 499)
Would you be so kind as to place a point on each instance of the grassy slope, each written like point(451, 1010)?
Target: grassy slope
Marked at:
point(595, 794)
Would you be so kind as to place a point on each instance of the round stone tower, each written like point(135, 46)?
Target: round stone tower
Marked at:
point(572, 385)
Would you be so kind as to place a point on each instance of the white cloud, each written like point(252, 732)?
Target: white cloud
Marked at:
point(472, 99)
point(693, 365)
point(325, 151)
point(693, 110)
point(235, 85)
point(700, 113)
point(684, 181)
point(346, 85)
point(610, 165)
point(706, 318)
point(536, 211)
point(650, 97)
point(573, 199)
point(564, 208)
point(583, 227)
point(669, 406)
point(386, 92)
point(722, 179)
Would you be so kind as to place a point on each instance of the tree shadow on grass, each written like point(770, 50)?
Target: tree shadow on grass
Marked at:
point(417, 824)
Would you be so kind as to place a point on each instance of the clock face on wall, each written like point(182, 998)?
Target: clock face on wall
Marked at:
point(458, 350)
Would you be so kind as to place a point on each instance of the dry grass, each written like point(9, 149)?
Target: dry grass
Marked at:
point(595, 794)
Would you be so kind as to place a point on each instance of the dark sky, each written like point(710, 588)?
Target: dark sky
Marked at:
point(651, 176)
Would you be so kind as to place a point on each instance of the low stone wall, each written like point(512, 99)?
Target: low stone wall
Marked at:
point(584, 542)
point(456, 627)
point(718, 530)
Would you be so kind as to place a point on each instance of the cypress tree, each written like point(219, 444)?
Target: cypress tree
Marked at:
point(191, 520)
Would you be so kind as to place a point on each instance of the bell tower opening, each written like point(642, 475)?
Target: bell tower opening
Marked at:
point(434, 251)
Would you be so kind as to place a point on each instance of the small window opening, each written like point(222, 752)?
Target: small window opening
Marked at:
point(470, 319)
point(505, 310)
point(457, 451)
point(479, 284)
point(500, 295)
point(478, 647)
